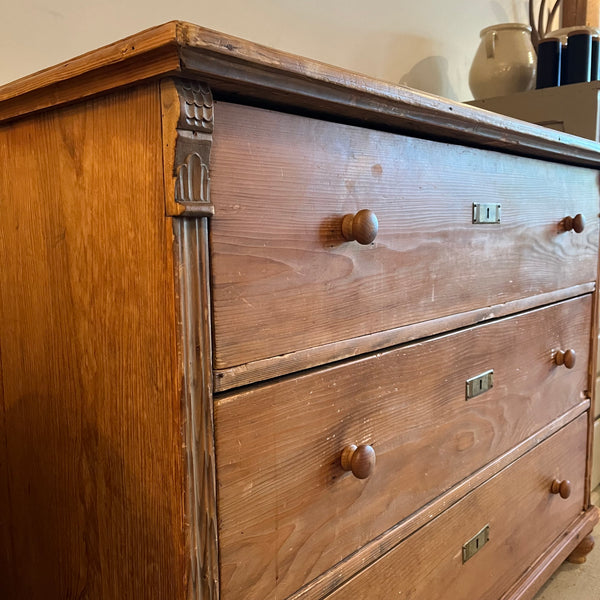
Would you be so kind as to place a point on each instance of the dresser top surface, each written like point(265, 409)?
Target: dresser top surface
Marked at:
point(245, 71)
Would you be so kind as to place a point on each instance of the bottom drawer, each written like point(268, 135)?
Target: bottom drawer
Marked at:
point(523, 516)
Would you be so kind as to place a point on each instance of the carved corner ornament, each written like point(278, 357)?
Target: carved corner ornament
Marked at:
point(187, 123)
point(197, 416)
point(192, 182)
point(196, 106)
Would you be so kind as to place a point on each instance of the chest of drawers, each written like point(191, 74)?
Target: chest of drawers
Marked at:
point(269, 330)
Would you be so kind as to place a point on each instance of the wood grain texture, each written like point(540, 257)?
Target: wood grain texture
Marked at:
point(592, 391)
point(536, 575)
point(580, 12)
point(517, 537)
point(107, 464)
point(270, 368)
point(150, 53)
point(260, 74)
point(281, 185)
point(87, 328)
point(237, 67)
point(187, 119)
point(187, 125)
point(193, 274)
point(6, 545)
point(118, 52)
point(382, 544)
point(277, 513)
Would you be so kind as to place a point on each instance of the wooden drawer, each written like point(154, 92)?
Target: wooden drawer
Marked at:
point(284, 279)
point(283, 497)
point(523, 518)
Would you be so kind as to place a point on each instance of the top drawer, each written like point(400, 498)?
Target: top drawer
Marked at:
point(285, 280)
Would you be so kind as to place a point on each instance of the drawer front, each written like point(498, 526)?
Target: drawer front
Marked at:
point(284, 279)
point(523, 517)
point(278, 446)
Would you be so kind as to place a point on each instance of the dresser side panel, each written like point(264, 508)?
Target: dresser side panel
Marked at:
point(6, 553)
point(88, 335)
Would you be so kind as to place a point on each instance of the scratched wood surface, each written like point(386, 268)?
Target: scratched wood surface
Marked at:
point(283, 496)
point(517, 537)
point(284, 279)
point(92, 448)
point(91, 413)
point(270, 368)
point(148, 54)
point(260, 74)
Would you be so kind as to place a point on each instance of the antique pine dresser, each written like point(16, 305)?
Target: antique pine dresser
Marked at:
point(274, 330)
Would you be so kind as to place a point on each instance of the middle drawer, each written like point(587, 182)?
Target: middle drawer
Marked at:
point(281, 485)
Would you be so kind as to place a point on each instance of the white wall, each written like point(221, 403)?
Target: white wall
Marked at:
point(426, 44)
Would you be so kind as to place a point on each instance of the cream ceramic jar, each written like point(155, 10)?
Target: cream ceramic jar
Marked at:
point(504, 63)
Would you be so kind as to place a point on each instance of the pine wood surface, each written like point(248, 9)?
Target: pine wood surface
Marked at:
point(281, 185)
point(92, 448)
point(151, 53)
point(534, 578)
point(192, 274)
point(517, 537)
point(260, 74)
point(121, 51)
point(269, 368)
point(580, 12)
point(279, 445)
point(108, 465)
point(382, 544)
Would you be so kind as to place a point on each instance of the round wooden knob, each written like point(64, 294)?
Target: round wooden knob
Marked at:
point(358, 459)
point(576, 223)
point(361, 227)
point(561, 487)
point(566, 358)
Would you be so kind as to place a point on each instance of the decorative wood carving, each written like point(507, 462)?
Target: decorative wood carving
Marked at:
point(192, 271)
point(196, 106)
point(187, 122)
point(192, 185)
